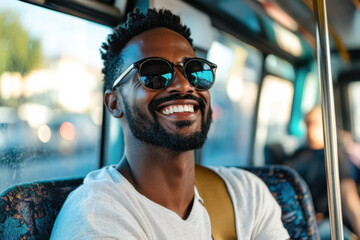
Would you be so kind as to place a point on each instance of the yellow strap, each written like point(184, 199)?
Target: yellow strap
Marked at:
point(217, 202)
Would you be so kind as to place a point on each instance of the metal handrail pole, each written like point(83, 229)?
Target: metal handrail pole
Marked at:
point(328, 119)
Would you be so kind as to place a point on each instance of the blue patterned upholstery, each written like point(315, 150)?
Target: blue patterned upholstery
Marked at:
point(294, 197)
point(28, 211)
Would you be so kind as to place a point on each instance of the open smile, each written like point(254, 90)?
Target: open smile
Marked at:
point(179, 109)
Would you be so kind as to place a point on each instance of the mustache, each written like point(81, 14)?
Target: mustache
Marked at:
point(153, 104)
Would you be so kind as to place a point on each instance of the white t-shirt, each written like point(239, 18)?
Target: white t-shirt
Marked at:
point(107, 206)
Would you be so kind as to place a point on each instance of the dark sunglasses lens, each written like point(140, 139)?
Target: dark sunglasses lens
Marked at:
point(199, 74)
point(156, 74)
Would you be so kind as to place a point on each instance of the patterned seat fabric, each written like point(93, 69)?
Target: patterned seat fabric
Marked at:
point(28, 211)
point(294, 197)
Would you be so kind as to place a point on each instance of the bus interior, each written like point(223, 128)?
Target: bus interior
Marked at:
point(53, 123)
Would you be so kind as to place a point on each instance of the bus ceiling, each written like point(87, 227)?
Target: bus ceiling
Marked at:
point(257, 22)
point(296, 17)
point(106, 12)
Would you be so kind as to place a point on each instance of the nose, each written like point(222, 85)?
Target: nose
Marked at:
point(180, 84)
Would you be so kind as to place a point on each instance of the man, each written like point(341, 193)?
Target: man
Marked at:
point(313, 155)
point(159, 91)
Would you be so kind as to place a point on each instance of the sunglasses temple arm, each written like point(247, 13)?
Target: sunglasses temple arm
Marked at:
point(123, 75)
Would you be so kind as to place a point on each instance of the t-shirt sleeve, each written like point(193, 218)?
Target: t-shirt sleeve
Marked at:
point(80, 219)
point(258, 215)
point(268, 225)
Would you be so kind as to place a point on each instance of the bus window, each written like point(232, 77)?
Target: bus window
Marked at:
point(306, 96)
point(239, 11)
point(354, 101)
point(311, 96)
point(233, 101)
point(50, 94)
point(287, 40)
point(279, 67)
point(274, 114)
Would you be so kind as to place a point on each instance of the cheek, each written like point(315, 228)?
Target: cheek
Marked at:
point(143, 97)
point(320, 132)
point(139, 97)
point(206, 97)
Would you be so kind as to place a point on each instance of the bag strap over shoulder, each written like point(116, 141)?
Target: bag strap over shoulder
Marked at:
point(217, 202)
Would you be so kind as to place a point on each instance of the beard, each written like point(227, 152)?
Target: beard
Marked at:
point(151, 131)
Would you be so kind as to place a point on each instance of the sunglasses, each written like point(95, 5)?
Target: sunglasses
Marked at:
point(156, 73)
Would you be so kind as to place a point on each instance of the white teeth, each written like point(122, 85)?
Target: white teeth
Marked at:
point(191, 108)
point(178, 108)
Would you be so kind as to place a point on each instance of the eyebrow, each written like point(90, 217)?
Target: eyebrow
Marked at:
point(186, 58)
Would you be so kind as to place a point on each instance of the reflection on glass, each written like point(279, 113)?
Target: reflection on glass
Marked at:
point(50, 94)
point(233, 101)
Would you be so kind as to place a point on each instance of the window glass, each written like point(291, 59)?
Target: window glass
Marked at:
point(311, 94)
point(354, 100)
point(287, 40)
point(309, 99)
point(50, 94)
point(114, 142)
point(233, 101)
point(274, 114)
point(305, 98)
point(279, 67)
point(237, 10)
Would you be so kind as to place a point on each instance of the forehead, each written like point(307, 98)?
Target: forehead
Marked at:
point(157, 42)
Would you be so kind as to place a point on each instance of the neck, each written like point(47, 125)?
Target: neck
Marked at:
point(164, 176)
point(316, 146)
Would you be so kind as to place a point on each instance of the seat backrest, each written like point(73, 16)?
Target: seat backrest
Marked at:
point(275, 154)
point(28, 211)
point(293, 195)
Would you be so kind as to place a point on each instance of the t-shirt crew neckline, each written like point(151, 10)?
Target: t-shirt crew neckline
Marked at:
point(128, 187)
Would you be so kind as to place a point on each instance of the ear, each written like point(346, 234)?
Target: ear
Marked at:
point(112, 103)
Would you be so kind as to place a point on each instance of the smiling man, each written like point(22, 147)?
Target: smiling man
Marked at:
point(158, 89)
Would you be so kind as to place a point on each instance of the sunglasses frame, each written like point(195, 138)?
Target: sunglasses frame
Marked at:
point(137, 65)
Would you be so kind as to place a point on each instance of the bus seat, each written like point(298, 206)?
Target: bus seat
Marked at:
point(274, 154)
point(294, 197)
point(28, 211)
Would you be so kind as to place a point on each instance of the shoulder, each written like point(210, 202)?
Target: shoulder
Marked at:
point(104, 185)
point(101, 201)
point(100, 185)
point(304, 150)
point(237, 177)
point(244, 187)
point(256, 210)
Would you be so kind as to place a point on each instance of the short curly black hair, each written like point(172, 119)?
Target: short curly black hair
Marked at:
point(135, 24)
